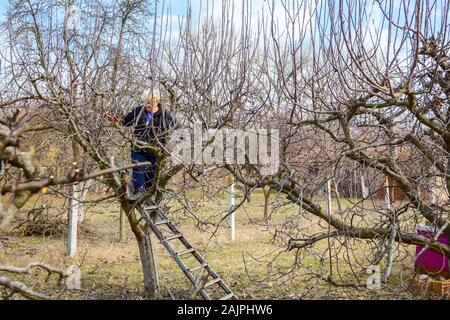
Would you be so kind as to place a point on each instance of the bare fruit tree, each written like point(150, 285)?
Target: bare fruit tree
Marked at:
point(70, 72)
point(356, 89)
point(376, 95)
point(24, 180)
point(358, 92)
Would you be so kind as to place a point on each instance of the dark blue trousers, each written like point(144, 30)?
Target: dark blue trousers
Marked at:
point(143, 176)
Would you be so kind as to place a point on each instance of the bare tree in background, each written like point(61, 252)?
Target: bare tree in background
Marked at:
point(352, 87)
point(346, 92)
point(377, 94)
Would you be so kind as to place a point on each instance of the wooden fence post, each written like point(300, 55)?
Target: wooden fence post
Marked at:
point(231, 204)
point(122, 214)
point(387, 196)
point(73, 221)
point(328, 197)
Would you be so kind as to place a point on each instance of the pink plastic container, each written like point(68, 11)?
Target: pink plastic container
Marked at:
point(428, 261)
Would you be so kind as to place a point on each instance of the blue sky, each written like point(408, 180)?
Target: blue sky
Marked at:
point(3, 6)
point(179, 7)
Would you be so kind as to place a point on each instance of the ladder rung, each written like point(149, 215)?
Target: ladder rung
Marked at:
point(150, 208)
point(185, 252)
point(160, 223)
point(203, 265)
point(178, 236)
point(164, 220)
point(211, 283)
point(227, 297)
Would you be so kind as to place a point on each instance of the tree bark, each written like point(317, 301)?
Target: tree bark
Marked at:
point(266, 191)
point(149, 267)
point(148, 260)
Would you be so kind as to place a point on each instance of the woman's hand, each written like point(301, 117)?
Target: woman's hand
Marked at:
point(111, 118)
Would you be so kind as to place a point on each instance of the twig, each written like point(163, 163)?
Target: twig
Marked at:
point(19, 287)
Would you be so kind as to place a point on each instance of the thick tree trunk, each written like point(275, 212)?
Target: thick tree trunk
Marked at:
point(149, 267)
point(148, 261)
point(143, 238)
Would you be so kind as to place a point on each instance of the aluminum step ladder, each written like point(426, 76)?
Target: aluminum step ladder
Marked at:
point(207, 279)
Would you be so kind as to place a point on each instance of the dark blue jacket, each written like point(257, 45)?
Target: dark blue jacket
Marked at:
point(156, 131)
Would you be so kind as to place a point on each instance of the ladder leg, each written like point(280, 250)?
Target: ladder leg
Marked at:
point(200, 283)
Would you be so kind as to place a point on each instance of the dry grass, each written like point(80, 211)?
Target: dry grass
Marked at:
point(111, 270)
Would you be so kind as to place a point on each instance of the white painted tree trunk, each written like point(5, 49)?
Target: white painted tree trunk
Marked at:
point(328, 197)
point(364, 189)
point(82, 193)
point(75, 207)
point(387, 197)
point(393, 233)
point(390, 251)
point(74, 279)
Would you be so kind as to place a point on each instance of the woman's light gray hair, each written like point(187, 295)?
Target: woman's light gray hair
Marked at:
point(149, 94)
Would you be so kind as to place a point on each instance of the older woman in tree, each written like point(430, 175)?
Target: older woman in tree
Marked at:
point(151, 124)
